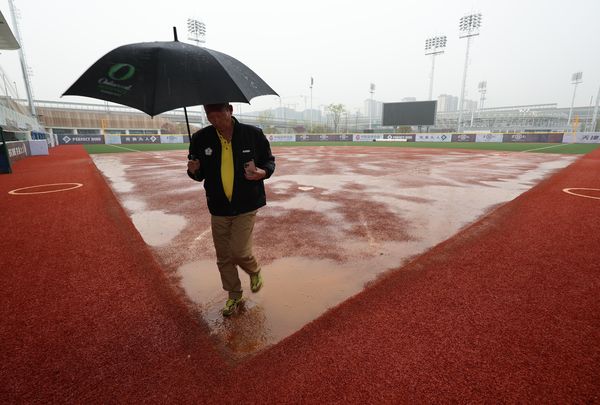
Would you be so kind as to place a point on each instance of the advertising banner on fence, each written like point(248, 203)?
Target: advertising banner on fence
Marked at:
point(323, 137)
point(17, 150)
point(113, 139)
point(488, 138)
point(541, 137)
point(80, 139)
point(140, 139)
point(515, 138)
point(171, 139)
point(581, 137)
point(433, 138)
point(366, 137)
point(399, 137)
point(281, 138)
point(463, 137)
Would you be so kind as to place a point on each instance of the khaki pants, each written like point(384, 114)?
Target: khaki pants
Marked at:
point(232, 237)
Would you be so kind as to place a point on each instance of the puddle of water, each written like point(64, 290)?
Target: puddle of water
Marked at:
point(115, 171)
point(134, 205)
point(156, 227)
point(296, 291)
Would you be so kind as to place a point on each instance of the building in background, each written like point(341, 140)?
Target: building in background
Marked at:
point(447, 103)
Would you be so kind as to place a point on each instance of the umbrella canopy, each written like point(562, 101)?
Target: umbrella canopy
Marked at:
point(155, 77)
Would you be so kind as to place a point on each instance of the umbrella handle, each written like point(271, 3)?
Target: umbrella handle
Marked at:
point(187, 123)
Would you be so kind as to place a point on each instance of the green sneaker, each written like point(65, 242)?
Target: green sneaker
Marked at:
point(256, 282)
point(231, 306)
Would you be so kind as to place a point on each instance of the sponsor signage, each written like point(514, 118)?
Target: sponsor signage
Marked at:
point(171, 139)
point(17, 150)
point(366, 137)
point(323, 137)
point(433, 138)
point(80, 139)
point(540, 137)
point(129, 139)
point(463, 137)
point(581, 137)
point(516, 138)
point(489, 138)
point(281, 138)
point(400, 137)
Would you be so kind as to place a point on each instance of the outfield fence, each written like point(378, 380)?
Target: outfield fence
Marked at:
point(21, 149)
point(549, 137)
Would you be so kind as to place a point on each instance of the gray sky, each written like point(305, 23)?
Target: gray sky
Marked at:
point(526, 52)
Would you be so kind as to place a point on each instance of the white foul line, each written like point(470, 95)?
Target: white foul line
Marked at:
point(122, 147)
point(545, 147)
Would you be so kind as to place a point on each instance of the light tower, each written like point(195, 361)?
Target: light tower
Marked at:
point(312, 81)
point(196, 31)
point(595, 116)
point(24, 67)
point(434, 46)
point(468, 27)
point(371, 90)
point(576, 78)
point(482, 88)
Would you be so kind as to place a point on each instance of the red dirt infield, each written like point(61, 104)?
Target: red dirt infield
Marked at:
point(506, 310)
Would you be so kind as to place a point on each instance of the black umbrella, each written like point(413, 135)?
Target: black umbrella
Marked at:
point(155, 77)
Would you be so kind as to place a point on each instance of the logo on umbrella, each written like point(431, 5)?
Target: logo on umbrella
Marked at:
point(118, 72)
point(121, 71)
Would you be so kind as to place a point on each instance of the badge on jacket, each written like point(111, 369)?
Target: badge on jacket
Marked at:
point(208, 151)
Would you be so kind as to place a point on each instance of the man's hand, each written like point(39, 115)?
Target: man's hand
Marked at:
point(256, 174)
point(193, 166)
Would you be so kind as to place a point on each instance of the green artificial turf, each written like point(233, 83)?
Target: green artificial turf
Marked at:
point(512, 147)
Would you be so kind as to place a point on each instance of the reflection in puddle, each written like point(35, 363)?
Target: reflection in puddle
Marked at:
point(296, 291)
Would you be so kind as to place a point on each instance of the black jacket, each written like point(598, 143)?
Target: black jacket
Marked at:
point(248, 143)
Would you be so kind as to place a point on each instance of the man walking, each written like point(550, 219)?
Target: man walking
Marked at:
point(232, 159)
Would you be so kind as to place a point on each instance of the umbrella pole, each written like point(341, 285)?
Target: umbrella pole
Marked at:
point(187, 123)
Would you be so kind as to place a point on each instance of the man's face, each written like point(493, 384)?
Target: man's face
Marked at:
point(219, 115)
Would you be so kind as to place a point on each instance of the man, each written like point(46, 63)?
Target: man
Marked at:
point(232, 159)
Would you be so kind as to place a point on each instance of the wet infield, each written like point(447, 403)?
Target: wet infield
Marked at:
point(337, 217)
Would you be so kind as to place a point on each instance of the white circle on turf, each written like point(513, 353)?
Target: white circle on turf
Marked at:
point(570, 191)
point(68, 186)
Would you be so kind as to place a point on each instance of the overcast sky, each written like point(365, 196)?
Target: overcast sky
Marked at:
point(527, 50)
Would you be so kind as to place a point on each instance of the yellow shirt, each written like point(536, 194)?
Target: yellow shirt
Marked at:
point(226, 166)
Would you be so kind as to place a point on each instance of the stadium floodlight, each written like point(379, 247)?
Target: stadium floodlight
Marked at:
point(196, 31)
point(312, 81)
point(469, 27)
point(371, 90)
point(24, 69)
point(595, 115)
point(434, 46)
point(576, 78)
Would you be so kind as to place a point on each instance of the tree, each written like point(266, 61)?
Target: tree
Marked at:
point(336, 111)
